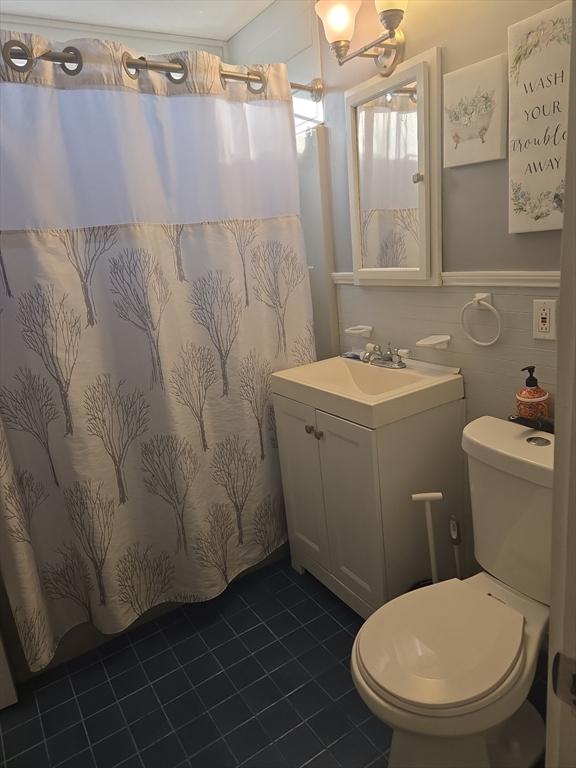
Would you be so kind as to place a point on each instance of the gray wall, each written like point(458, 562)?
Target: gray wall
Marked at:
point(475, 227)
point(475, 224)
point(317, 230)
point(492, 375)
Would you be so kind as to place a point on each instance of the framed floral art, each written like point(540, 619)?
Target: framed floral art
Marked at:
point(539, 56)
point(475, 101)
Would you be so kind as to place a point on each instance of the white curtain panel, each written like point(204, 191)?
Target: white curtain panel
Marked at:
point(387, 158)
point(152, 277)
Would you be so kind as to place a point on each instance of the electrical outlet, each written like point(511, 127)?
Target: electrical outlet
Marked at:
point(544, 318)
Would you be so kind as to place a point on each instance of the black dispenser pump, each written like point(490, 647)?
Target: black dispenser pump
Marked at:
point(531, 380)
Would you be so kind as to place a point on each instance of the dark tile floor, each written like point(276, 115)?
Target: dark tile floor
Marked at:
point(256, 678)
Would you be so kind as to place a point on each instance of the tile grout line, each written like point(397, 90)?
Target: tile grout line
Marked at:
point(41, 724)
point(207, 712)
point(44, 740)
point(303, 720)
point(82, 720)
point(262, 621)
point(117, 701)
point(236, 690)
point(181, 666)
point(159, 630)
point(193, 687)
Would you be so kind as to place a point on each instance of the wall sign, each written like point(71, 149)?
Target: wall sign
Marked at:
point(475, 113)
point(538, 71)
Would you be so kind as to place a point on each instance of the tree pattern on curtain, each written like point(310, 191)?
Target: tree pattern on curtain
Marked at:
point(69, 579)
point(191, 379)
point(117, 418)
point(83, 248)
point(170, 467)
point(138, 460)
point(141, 294)
point(244, 233)
point(217, 307)
point(277, 272)
point(30, 407)
point(22, 497)
point(304, 346)
point(52, 330)
point(255, 374)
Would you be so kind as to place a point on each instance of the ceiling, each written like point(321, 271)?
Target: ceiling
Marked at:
point(217, 19)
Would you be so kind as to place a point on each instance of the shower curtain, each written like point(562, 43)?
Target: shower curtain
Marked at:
point(152, 277)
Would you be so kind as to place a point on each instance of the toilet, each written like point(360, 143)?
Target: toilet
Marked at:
point(449, 666)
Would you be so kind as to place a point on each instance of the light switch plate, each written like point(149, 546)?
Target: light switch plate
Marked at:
point(544, 318)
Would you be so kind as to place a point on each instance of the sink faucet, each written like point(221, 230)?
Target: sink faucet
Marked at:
point(372, 352)
point(389, 359)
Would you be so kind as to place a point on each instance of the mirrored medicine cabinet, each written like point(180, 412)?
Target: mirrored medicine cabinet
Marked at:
point(394, 173)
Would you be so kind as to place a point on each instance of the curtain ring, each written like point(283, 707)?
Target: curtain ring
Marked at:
point(125, 57)
point(79, 63)
point(181, 75)
point(263, 82)
point(10, 49)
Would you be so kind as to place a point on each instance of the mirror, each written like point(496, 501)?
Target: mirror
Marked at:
point(387, 137)
point(394, 175)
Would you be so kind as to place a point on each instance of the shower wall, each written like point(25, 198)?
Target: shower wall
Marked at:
point(317, 226)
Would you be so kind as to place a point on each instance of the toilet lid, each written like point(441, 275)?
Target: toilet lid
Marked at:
point(441, 646)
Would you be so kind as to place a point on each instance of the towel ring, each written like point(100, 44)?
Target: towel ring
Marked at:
point(481, 301)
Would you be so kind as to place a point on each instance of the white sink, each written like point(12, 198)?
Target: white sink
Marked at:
point(367, 394)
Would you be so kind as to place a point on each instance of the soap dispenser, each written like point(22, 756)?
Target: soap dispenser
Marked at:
point(532, 400)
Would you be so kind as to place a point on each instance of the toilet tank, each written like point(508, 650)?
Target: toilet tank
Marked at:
point(510, 472)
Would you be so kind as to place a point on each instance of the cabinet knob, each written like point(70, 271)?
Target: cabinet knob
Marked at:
point(318, 434)
point(309, 429)
point(417, 178)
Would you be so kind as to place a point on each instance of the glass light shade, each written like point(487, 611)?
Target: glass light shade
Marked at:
point(390, 5)
point(391, 14)
point(338, 18)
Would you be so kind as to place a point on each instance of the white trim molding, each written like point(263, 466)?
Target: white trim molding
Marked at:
point(516, 279)
point(425, 71)
point(496, 278)
point(343, 278)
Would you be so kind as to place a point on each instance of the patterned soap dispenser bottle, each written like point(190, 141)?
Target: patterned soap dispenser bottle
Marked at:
point(532, 400)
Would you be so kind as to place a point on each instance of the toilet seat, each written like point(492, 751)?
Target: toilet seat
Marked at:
point(442, 650)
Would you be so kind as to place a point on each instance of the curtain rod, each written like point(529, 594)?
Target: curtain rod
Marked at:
point(15, 49)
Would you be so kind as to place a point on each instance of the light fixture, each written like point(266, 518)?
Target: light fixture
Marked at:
point(339, 17)
point(390, 12)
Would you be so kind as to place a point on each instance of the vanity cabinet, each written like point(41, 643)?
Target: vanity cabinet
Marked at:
point(347, 489)
point(302, 479)
point(331, 488)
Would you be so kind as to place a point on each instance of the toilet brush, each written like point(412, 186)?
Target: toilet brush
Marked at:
point(428, 498)
point(456, 539)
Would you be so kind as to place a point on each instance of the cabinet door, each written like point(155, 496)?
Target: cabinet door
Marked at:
point(301, 480)
point(349, 462)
